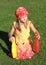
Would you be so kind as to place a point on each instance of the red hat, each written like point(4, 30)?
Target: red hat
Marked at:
point(21, 11)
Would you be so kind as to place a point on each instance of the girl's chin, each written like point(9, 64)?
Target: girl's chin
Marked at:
point(23, 21)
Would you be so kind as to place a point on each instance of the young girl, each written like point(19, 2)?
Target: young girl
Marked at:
point(21, 28)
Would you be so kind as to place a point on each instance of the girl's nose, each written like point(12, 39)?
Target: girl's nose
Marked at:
point(24, 19)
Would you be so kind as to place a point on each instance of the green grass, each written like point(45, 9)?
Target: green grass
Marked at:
point(37, 14)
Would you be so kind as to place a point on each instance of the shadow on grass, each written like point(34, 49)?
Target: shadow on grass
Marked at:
point(4, 37)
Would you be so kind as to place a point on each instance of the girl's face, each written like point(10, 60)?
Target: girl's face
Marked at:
point(23, 19)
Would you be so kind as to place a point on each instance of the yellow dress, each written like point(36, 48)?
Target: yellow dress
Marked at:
point(22, 37)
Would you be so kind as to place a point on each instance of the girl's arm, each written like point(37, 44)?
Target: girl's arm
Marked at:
point(34, 29)
point(10, 34)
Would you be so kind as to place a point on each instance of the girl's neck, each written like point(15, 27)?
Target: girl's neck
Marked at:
point(24, 23)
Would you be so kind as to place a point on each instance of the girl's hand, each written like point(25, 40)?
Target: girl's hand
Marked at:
point(11, 39)
point(37, 34)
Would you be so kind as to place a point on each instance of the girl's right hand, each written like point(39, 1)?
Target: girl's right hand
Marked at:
point(11, 39)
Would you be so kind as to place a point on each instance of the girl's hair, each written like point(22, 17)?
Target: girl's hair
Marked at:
point(18, 25)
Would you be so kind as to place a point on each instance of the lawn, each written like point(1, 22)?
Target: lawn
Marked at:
point(37, 14)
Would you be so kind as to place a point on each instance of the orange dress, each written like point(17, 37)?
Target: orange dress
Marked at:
point(24, 49)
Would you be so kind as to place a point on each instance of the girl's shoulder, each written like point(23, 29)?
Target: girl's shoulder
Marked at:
point(30, 22)
point(14, 24)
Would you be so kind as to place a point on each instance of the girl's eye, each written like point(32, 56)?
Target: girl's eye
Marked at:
point(23, 17)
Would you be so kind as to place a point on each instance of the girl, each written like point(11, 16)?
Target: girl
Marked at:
point(22, 27)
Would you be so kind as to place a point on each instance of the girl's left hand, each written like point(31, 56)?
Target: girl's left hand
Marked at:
point(37, 35)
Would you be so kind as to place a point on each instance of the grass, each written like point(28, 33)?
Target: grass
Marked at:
point(37, 14)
